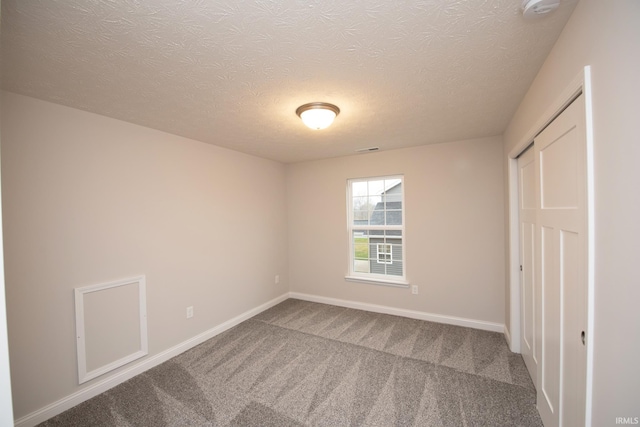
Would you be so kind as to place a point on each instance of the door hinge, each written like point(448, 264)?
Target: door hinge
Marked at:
point(520, 268)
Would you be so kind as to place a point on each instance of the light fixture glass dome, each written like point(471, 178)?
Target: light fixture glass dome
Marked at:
point(317, 115)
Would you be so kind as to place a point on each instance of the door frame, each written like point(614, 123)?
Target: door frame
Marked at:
point(580, 84)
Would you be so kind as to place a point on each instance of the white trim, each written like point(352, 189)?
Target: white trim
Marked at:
point(567, 96)
point(507, 337)
point(591, 249)
point(514, 256)
point(581, 83)
point(390, 253)
point(352, 275)
point(6, 405)
point(83, 375)
point(380, 228)
point(80, 396)
point(412, 314)
point(375, 281)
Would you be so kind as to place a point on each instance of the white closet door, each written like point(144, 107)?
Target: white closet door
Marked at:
point(527, 213)
point(561, 267)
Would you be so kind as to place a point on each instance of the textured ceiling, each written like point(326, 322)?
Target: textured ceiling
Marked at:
point(232, 73)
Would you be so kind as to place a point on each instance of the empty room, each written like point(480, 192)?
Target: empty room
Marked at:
point(319, 213)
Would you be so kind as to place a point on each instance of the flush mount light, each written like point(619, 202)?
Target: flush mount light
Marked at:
point(317, 115)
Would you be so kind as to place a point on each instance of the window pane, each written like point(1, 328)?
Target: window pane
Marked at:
point(375, 202)
point(377, 218)
point(394, 218)
point(391, 203)
point(361, 266)
point(375, 210)
point(376, 267)
point(360, 203)
point(392, 184)
point(397, 253)
point(376, 188)
point(360, 217)
point(394, 269)
point(359, 188)
point(360, 246)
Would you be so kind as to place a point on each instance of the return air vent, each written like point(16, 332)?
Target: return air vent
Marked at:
point(367, 150)
point(111, 326)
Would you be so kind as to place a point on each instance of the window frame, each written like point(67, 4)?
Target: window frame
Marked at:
point(375, 278)
point(388, 256)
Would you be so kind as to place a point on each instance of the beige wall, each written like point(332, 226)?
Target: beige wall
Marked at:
point(88, 199)
point(454, 228)
point(605, 35)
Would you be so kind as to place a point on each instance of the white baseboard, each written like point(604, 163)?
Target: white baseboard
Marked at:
point(507, 336)
point(87, 393)
point(420, 315)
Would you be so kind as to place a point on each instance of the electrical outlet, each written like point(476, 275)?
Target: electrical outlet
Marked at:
point(189, 312)
point(277, 279)
point(414, 289)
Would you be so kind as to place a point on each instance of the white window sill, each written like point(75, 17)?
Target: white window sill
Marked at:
point(376, 281)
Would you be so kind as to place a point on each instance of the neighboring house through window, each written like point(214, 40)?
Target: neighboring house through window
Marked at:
point(376, 229)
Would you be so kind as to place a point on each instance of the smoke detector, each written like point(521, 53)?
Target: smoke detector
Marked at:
point(535, 8)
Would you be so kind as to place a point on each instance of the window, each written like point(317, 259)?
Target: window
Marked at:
point(376, 230)
point(385, 253)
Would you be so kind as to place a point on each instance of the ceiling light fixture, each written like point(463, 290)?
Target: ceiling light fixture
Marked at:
point(317, 115)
